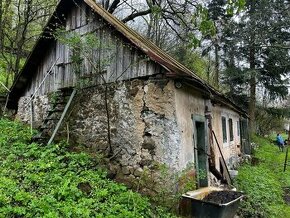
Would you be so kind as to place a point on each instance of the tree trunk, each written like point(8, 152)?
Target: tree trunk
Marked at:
point(253, 80)
point(22, 34)
point(217, 64)
point(252, 103)
point(1, 26)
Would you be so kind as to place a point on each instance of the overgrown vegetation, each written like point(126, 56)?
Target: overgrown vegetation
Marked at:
point(52, 181)
point(164, 187)
point(270, 119)
point(263, 180)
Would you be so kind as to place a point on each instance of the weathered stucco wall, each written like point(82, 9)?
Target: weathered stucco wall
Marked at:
point(188, 103)
point(230, 149)
point(143, 125)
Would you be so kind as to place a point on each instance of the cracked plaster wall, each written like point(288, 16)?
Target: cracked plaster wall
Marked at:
point(231, 149)
point(144, 129)
point(188, 103)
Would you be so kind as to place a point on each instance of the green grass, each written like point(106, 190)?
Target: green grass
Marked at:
point(263, 183)
point(50, 181)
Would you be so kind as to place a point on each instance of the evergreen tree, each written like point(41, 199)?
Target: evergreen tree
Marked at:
point(258, 50)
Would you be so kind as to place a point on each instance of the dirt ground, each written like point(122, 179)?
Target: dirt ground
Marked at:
point(222, 197)
point(287, 195)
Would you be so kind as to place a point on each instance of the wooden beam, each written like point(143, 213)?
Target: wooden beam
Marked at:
point(62, 117)
point(223, 162)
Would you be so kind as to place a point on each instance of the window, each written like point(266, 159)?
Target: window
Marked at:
point(231, 129)
point(238, 128)
point(224, 128)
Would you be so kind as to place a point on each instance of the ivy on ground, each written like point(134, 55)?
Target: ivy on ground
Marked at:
point(51, 181)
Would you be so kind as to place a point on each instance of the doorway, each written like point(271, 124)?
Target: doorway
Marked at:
point(200, 142)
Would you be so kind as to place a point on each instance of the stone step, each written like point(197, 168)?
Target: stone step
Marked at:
point(65, 91)
point(44, 128)
point(48, 121)
point(60, 100)
point(59, 103)
point(52, 111)
point(58, 107)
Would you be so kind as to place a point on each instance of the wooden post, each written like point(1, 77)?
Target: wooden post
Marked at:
point(286, 159)
point(31, 117)
point(288, 141)
point(6, 103)
point(62, 117)
point(223, 162)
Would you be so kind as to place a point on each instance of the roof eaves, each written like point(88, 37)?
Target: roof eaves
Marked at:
point(216, 95)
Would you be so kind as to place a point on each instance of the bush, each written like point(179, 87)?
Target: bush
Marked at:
point(268, 120)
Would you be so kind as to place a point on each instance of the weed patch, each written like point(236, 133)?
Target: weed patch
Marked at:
point(50, 181)
point(263, 182)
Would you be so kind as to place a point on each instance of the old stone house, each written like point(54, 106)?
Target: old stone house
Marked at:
point(134, 103)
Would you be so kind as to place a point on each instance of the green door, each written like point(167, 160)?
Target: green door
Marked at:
point(200, 143)
point(245, 138)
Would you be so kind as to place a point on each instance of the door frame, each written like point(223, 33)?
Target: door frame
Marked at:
point(201, 158)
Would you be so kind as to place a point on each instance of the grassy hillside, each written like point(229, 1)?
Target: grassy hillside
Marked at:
point(263, 181)
point(50, 181)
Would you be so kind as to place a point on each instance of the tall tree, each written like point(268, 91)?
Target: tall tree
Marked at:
point(260, 44)
point(166, 22)
point(217, 14)
point(21, 22)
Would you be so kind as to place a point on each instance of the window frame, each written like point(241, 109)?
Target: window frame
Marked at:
point(224, 129)
point(238, 128)
point(231, 129)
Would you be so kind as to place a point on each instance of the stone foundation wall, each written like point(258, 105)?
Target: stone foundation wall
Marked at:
point(40, 107)
point(143, 125)
point(148, 123)
point(141, 116)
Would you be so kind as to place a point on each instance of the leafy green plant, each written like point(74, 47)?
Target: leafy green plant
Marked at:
point(51, 181)
point(263, 183)
point(164, 186)
point(89, 47)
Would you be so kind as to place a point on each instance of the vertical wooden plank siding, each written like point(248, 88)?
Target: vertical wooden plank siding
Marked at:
point(115, 58)
point(126, 73)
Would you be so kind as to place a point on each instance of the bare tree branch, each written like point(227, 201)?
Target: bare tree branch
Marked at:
point(137, 14)
point(113, 6)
